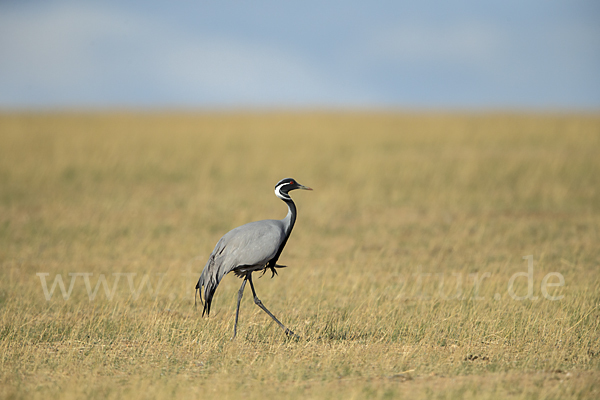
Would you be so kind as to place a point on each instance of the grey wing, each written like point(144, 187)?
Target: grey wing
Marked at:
point(253, 244)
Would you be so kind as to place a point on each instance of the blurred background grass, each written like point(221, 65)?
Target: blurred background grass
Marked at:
point(400, 202)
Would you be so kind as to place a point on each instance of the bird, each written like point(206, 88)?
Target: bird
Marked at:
point(253, 247)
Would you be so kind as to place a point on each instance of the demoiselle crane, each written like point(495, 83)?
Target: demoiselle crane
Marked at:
point(255, 246)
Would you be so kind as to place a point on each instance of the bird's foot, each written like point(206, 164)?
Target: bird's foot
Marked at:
point(291, 334)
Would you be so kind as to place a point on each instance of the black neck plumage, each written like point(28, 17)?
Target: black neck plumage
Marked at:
point(291, 217)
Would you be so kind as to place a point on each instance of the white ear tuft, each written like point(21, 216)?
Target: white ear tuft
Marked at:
point(280, 194)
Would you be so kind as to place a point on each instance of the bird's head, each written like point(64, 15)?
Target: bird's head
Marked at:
point(285, 185)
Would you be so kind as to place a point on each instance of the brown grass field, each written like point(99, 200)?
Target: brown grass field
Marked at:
point(400, 263)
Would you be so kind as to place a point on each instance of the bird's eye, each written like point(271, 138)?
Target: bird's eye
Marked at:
point(291, 182)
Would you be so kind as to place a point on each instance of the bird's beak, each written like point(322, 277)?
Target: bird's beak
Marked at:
point(304, 187)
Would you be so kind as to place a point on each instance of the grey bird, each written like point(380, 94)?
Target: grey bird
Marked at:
point(255, 246)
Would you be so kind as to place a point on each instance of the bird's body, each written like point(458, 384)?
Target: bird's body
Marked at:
point(248, 248)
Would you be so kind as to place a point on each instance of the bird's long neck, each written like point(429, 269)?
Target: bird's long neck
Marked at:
point(290, 218)
point(288, 225)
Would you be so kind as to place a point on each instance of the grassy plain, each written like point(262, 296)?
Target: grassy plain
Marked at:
point(399, 264)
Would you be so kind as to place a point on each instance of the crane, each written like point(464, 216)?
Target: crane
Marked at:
point(255, 246)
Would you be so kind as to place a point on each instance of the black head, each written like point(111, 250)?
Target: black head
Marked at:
point(285, 185)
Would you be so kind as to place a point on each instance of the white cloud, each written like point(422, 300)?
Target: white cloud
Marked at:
point(81, 53)
point(56, 46)
point(69, 53)
point(225, 68)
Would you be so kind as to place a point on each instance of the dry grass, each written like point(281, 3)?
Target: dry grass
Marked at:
point(402, 204)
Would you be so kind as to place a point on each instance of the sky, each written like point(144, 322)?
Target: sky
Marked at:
point(430, 54)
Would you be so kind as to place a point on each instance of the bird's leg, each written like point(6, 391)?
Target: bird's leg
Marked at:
point(261, 305)
point(237, 311)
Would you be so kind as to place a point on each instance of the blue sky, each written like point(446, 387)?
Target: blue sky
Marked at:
point(527, 54)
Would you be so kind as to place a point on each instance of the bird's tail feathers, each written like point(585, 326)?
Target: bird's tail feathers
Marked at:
point(196, 296)
point(210, 286)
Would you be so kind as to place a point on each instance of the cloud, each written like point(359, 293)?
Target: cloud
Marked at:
point(84, 54)
point(474, 62)
point(222, 69)
point(53, 44)
point(67, 53)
